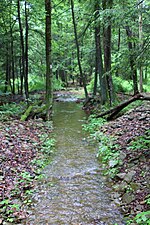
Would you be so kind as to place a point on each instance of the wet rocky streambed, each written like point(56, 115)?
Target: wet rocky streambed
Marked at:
point(73, 190)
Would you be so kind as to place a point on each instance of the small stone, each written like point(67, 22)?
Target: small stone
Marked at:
point(113, 163)
point(120, 187)
point(142, 118)
point(134, 186)
point(122, 156)
point(121, 175)
point(129, 176)
point(128, 198)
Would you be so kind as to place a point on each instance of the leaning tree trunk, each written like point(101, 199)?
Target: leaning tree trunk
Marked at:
point(78, 50)
point(49, 90)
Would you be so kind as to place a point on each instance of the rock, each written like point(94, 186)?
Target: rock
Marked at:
point(113, 163)
point(135, 186)
point(121, 175)
point(1, 178)
point(120, 187)
point(7, 223)
point(122, 156)
point(128, 198)
point(129, 176)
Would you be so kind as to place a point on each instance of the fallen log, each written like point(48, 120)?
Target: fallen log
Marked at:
point(114, 111)
point(34, 111)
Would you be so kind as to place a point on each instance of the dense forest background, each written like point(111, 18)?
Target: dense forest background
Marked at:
point(100, 45)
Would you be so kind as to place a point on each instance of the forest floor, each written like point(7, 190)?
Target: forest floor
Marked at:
point(132, 181)
point(20, 148)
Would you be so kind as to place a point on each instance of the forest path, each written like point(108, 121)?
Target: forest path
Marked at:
point(73, 190)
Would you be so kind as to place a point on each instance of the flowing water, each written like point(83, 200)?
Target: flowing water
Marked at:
point(74, 191)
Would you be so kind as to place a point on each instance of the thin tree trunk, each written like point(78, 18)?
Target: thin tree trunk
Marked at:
point(49, 90)
point(119, 39)
point(78, 50)
point(141, 44)
point(107, 4)
point(26, 53)
point(12, 62)
point(12, 50)
point(7, 79)
point(99, 71)
point(132, 62)
point(22, 48)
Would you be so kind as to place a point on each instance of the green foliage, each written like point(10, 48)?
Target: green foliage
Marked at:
point(8, 110)
point(141, 143)
point(147, 199)
point(108, 150)
point(122, 85)
point(10, 208)
point(93, 124)
point(143, 218)
point(36, 83)
point(48, 146)
point(57, 84)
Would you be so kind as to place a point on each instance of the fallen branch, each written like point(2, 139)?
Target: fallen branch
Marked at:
point(114, 111)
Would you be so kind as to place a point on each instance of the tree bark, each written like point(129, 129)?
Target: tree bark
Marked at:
point(49, 90)
point(26, 53)
point(99, 70)
point(22, 49)
point(132, 61)
point(141, 44)
point(78, 50)
point(107, 4)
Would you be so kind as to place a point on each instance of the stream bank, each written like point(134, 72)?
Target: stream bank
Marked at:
point(131, 183)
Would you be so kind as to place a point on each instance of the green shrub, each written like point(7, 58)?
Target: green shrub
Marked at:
point(121, 85)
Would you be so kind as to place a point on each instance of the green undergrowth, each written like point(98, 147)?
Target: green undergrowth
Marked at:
point(108, 152)
point(8, 110)
point(45, 154)
point(109, 155)
point(13, 206)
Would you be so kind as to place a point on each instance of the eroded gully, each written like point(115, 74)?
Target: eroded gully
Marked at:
point(73, 191)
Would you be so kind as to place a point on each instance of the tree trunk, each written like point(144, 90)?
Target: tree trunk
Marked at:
point(12, 51)
point(49, 90)
point(99, 71)
point(78, 50)
point(141, 44)
point(12, 62)
point(107, 4)
point(132, 61)
point(119, 39)
point(7, 79)
point(22, 48)
point(26, 53)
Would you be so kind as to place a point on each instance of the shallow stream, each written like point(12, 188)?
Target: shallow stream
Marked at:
point(74, 191)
